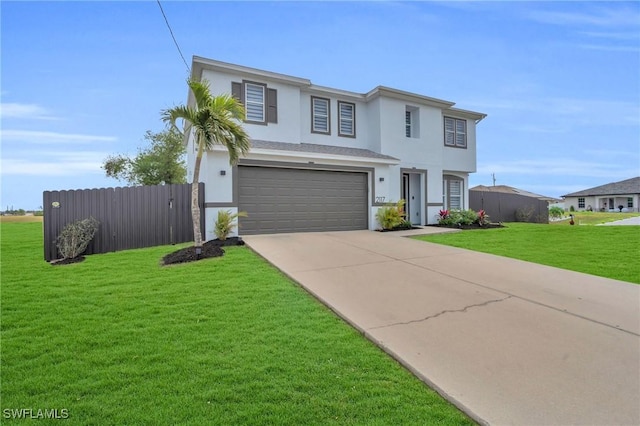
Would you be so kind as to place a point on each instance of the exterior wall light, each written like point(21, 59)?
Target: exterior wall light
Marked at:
point(223, 172)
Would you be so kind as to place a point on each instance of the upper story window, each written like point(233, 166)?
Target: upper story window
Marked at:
point(455, 132)
point(254, 102)
point(346, 119)
point(260, 102)
point(407, 123)
point(320, 115)
point(411, 122)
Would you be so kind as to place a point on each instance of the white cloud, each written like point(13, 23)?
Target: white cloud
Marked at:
point(569, 111)
point(609, 48)
point(558, 167)
point(56, 164)
point(27, 111)
point(39, 137)
point(614, 17)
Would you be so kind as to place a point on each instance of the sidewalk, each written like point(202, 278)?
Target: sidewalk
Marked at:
point(507, 341)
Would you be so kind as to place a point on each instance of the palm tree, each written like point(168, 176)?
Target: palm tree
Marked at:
point(215, 120)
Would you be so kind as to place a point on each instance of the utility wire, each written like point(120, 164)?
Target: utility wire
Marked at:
point(173, 37)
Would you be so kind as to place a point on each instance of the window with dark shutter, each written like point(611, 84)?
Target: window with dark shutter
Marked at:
point(259, 101)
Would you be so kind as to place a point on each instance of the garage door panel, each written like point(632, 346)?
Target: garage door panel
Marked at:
point(295, 200)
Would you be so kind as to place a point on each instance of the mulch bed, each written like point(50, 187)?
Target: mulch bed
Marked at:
point(210, 249)
point(398, 228)
point(474, 226)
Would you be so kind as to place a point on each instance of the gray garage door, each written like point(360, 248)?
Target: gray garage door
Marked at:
point(294, 200)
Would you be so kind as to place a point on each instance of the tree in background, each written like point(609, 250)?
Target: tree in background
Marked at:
point(215, 120)
point(161, 162)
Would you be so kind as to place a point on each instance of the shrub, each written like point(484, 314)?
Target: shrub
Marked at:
point(76, 236)
point(468, 217)
point(572, 209)
point(556, 212)
point(391, 215)
point(483, 218)
point(226, 223)
point(523, 214)
point(457, 217)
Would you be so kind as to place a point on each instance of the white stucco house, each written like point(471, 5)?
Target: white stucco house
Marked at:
point(608, 197)
point(326, 159)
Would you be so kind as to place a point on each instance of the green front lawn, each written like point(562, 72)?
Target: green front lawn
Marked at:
point(118, 339)
point(593, 218)
point(607, 251)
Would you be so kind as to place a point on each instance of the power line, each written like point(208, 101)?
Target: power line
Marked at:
point(173, 37)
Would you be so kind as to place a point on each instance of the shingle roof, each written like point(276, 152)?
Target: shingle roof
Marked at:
point(624, 187)
point(319, 149)
point(511, 190)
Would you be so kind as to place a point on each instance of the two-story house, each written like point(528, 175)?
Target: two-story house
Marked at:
point(325, 159)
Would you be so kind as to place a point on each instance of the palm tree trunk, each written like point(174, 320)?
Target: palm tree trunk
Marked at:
point(195, 208)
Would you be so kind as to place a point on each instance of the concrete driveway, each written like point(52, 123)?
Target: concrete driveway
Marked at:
point(507, 341)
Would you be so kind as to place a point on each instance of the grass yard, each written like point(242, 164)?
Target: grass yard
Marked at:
point(593, 218)
point(117, 339)
point(607, 251)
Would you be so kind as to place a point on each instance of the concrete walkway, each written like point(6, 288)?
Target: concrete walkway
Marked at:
point(507, 341)
point(629, 221)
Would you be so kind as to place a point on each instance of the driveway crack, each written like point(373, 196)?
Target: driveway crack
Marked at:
point(447, 311)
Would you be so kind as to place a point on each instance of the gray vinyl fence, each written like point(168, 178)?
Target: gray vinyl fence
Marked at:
point(130, 217)
point(502, 207)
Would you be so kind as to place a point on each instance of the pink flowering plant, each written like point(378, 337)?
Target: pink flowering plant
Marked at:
point(483, 218)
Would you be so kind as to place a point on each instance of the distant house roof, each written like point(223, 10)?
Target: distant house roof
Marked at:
point(320, 149)
point(624, 187)
point(511, 190)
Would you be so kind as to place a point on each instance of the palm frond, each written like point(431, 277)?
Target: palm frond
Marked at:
point(201, 92)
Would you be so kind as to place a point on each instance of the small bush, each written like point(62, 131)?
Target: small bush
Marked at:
point(76, 236)
point(459, 217)
point(556, 212)
point(572, 209)
point(523, 214)
point(468, 217)
point(391, 215)
point(483, 218)
point(226, 223)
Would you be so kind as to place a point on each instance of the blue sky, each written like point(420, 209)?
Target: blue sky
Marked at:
point(560, 81)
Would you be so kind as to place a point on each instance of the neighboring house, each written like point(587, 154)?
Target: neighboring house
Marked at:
point(327, 159)
point(508, 204)
point(609, 197)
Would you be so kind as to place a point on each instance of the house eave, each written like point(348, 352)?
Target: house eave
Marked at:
point(262, 154)
point(200, 64)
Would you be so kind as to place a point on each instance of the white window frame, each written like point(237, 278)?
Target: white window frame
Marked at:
point(456, 135)
point(447, 192)
point(350, 120)
point(263, 116)
point(316, 114)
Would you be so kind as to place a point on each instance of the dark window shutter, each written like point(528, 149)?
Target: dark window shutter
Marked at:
point(272, 106)
point(236, 91)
